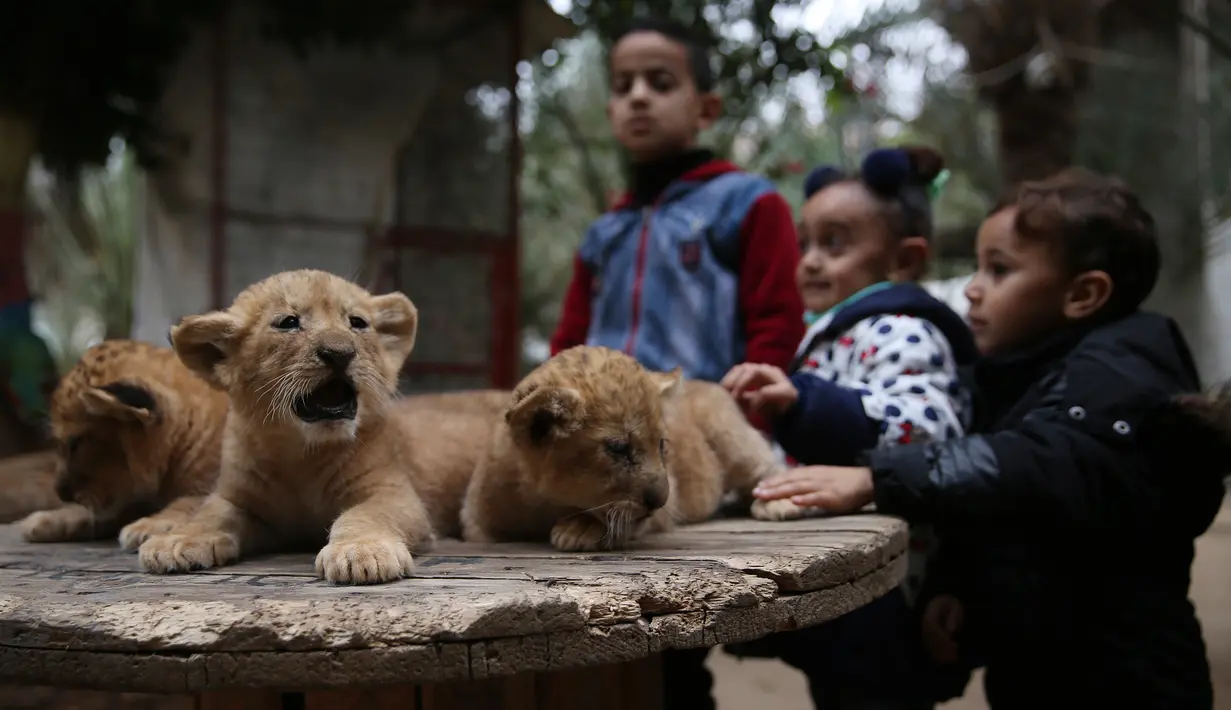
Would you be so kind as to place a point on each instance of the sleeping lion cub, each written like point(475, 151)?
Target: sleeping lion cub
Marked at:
point(138, 434)
point(310, 362)
point(596, 450)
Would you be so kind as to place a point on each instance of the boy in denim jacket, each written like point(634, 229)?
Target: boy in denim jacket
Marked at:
point(694, 267)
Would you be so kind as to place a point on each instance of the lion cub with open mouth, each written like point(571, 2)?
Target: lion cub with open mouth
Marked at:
point(595, 450)
point(310, 362)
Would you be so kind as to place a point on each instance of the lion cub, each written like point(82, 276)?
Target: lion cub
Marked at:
point(596, 450)
point(486, 402)
point(28, 484)
point(310, 362)
point(138, 433)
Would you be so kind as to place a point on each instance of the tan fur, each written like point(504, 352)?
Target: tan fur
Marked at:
point(28, 484)
point(448, 433)
point(349, 483)
point(138, 433)
point(488, 402)
point(593, 441)
point(446, 447)
point(779, 509)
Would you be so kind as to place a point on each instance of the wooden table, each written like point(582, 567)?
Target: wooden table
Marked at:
point(493, 626)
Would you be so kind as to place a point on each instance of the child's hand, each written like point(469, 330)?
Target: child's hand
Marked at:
point(764, 389)
point(941, 620)
point(834, 489)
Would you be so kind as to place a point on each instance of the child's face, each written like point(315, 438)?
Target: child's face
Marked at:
point(845, 246)
point(655, 108)
point(1020, 292)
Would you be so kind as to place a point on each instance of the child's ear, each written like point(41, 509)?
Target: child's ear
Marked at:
point(913, 255)
point(1088, 292)
point(711, 109)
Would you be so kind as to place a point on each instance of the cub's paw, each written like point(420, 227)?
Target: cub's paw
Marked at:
point(142, 529)
point(364, 562)
point(580, 533)
point(166, 553)
point(57, 525)
point(779, 509)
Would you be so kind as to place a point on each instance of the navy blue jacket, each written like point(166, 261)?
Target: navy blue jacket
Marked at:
point(1066, 527)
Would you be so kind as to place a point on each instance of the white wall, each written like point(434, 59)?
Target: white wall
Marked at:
point(951, 291)
point(1213, 353)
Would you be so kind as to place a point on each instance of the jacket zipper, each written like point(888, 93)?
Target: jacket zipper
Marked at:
point(638, 275)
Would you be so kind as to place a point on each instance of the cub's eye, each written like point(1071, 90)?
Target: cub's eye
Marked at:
point(358, 323)
point(286, 323)
point(70, 446)
point(619, 448)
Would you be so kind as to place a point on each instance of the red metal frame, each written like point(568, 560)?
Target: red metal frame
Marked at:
point(443, 240)
point(502, 250)
point(506, 273)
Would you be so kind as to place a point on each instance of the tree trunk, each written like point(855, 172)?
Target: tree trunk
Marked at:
point(1038, 131)
point(19, 352)
point(18, 142)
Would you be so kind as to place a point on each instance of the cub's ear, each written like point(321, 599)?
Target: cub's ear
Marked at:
point(396, 320)
point(670, 384)
point(206, 343)
point(544, 414)
point(121, 401)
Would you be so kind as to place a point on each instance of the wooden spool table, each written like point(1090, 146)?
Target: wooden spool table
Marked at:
point(492, 626)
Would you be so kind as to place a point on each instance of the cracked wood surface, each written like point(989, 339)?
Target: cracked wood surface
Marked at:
point(83, 615)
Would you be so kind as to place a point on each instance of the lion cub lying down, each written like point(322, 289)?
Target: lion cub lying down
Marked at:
point(28, 484)
point(310, 362)
point(596, 450)
point(138, 433)
point(486, 403)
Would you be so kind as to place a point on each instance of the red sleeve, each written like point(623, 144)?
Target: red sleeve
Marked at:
point(575, 314)
point(770, 304)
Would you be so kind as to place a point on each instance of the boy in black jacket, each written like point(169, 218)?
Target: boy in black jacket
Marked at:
point(1066, 526)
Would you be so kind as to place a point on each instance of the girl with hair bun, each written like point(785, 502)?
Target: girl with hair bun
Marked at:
point(878, 367)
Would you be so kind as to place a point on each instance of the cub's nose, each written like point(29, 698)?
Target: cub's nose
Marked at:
point(338, 359)
point(654, 497)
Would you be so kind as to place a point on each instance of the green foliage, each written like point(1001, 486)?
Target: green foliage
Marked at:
point(85, 260)
point(753, 50)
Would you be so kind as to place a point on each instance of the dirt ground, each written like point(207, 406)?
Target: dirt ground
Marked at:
point(755, 683)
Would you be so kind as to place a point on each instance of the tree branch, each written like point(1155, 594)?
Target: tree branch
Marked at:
point(593, 178)
point(1220, 45)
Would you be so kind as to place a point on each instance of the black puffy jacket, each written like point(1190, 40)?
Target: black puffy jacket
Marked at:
point(1067, 524)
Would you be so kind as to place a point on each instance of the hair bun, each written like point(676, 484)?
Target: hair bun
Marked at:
point(926, 163)
point(887, 170)
point(820, 178)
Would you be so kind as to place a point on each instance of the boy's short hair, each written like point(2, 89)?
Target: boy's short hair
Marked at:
point(1098, 224)
point(698, 51)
